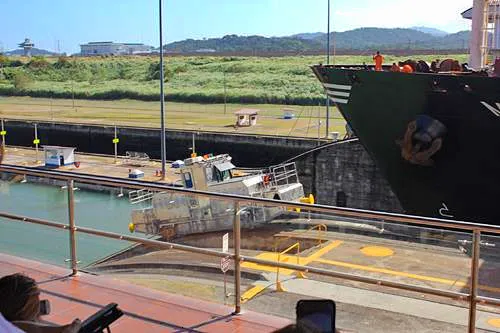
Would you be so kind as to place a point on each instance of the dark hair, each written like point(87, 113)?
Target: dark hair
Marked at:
point(19, 297)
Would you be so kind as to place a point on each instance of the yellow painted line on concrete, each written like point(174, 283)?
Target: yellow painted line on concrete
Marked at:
point(251, 293)
point(377, 251)
point(392, 272)
point(405, 274)
point(273, 256)
point(322, 251)
point(495, 322)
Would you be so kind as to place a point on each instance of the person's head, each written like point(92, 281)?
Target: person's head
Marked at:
point(378, 52)
point(20, 298)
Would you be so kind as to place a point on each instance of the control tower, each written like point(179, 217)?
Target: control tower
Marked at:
point(27, 45)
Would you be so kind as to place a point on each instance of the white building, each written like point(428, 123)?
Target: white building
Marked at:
point(112, 48)
point(56, 156)
point(485, 35)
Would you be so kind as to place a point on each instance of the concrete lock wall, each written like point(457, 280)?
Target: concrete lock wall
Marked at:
point(246, 150)
point(341, 174)
point(345, 175)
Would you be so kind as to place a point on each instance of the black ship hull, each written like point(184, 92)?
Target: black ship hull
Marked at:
point(435, 137)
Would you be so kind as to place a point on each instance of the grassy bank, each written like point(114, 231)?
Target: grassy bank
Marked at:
point(309, 122)
point(281, 80)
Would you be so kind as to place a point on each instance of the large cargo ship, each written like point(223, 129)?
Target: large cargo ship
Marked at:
point(434, 136)
point(434, 131)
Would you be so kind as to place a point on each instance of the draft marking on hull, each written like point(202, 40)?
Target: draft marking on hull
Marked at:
point(337, 86)
point(337, 93)
point(443, 211)
point(495, 111)
point(339, 100)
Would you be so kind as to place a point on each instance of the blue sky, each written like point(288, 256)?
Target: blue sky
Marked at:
point(72, 22)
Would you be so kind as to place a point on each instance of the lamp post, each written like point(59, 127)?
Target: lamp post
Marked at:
point(225, 92)
point(162, 99)
point(327, 125)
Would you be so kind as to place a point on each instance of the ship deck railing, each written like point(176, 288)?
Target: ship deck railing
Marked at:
point(142, 195)
point(284, 174)
point(470, 294)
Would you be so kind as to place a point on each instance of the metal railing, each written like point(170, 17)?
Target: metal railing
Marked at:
point(476, 229)
point(299, 274)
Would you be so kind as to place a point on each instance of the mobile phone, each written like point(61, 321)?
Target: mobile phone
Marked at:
point(318, 315)
point(44, 307)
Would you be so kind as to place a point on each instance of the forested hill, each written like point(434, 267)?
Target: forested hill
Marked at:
point(358, 39)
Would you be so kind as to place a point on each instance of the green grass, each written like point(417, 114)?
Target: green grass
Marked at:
point(202, 117)
point(279, 80)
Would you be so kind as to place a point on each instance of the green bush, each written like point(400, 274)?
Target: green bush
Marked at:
point(21, 81)
point(280, 80)
point(154, 72)
point(38, 62)
point(62, 62)
point(4, 61)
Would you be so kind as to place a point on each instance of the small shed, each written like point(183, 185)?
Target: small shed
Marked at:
point(56, 156)
point(288, 113)
point(246, 117)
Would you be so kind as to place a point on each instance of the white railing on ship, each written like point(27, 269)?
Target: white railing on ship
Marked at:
point(139, 196)
point(476, 229)
point(285, 174)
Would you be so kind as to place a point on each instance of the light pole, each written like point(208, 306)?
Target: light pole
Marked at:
point(327, 125)
point(225, 92)
point(162, 100)
point(36, 141)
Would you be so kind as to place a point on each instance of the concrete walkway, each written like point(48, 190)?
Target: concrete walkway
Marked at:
point(373, 299)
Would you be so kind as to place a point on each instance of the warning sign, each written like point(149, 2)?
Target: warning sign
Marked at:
point(225, 263)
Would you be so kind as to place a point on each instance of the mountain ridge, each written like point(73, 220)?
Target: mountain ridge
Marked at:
point(356, 39)
point(368, 38)
point(432, 31)
point(34, 52)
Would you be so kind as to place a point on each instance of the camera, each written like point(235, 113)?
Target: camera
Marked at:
point(44, 307)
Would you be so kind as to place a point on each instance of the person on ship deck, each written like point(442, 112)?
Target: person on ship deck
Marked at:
point(395, 67)
point(379, 60)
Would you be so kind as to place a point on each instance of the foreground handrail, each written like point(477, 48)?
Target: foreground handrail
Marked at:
point(341, 211)
point(306, 269)
point(70, 178)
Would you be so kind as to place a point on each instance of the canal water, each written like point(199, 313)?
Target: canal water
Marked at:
point(99, 210)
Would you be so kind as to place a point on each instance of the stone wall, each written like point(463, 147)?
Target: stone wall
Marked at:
point(246, 150)
point(344, 174)
point(341, 174)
